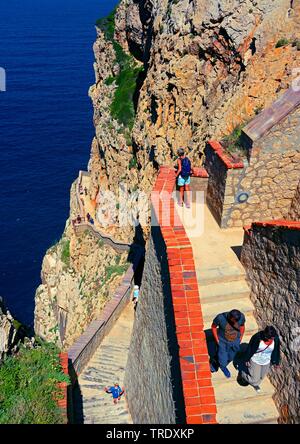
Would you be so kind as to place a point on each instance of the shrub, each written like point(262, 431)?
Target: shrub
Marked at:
point(233, 143)
point(109, 81)
point(128, 137)
point(28, 386)
point(100, 243)
point(282, 42)
point(122, 106)
point(107, 25)
point(132, 163)
point(65, 252)
point(116, 269)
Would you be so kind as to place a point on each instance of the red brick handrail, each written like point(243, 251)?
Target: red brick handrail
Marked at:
point(200, 172)
point(280, 223)
point(225, 158)
point(199, 397)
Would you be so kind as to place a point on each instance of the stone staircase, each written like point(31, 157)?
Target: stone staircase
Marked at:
point(92, 404)
point(222, 287)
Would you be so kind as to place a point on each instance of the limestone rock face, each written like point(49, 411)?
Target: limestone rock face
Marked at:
point(79, 275)
point(7, 331)
point(73, 292)
point(204, 62)
point(208, 66)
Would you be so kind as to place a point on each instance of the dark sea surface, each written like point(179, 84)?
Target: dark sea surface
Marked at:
point(46, 129)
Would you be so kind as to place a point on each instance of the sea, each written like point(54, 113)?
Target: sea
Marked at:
point(46, 129)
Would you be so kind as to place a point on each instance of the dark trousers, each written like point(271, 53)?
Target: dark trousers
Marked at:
point(227, 351)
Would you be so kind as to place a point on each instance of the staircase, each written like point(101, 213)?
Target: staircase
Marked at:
point(92, 404)
point(222, 287)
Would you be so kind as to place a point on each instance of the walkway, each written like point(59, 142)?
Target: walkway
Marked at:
point(106, 367)
point(88, 207)
point(85, 206)
point(222, 287)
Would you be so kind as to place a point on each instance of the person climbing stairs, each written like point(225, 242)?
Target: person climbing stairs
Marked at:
point(223, 287)
point(92, 404)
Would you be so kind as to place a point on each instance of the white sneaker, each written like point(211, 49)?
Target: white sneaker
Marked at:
point(257, 388)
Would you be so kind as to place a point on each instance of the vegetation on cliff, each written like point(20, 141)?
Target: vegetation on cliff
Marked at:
point(233, 141)
point(65, 254)
point(122, 106)
point(29, 386)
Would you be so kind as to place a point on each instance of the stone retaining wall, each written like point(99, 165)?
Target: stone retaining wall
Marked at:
point(148, 379)
point(168, 378)
point(83, 349)
point(117, 246)
point(294, 213)
point(223, 179)
point(270, 181)
point(271, 256)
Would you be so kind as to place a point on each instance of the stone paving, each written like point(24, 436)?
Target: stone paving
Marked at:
point(93, 405)
point(222, 286)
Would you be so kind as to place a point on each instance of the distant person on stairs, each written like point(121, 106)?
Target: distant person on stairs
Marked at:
point(184, 172)
point(116, 392)
point(228, 329)
point(136, 293)
point(263, 351)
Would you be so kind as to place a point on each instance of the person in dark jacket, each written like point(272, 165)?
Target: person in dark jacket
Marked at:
point(228, 329)
point(263, 351)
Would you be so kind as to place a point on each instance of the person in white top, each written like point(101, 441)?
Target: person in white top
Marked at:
point(263, 351)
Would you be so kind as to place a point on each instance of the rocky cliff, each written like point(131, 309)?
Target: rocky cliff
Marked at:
point(208, 66)
point(79, 275)
point(8, 331)
point(168, 73)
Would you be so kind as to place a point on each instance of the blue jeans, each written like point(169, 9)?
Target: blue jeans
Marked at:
point(227, 351)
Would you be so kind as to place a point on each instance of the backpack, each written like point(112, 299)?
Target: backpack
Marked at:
point(186, 168)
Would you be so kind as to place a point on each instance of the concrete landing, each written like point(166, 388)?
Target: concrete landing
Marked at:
point(222, 287)
point(106, 367)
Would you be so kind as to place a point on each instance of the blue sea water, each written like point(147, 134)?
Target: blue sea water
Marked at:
point(46, 128)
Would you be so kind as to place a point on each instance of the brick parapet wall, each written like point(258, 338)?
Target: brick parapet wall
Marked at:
point(281, 223)
point(271, 257)
point(268, 182)
point(199, 398)
point(228, 161)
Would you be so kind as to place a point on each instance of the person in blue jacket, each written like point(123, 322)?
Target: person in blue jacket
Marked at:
point(116, 392)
